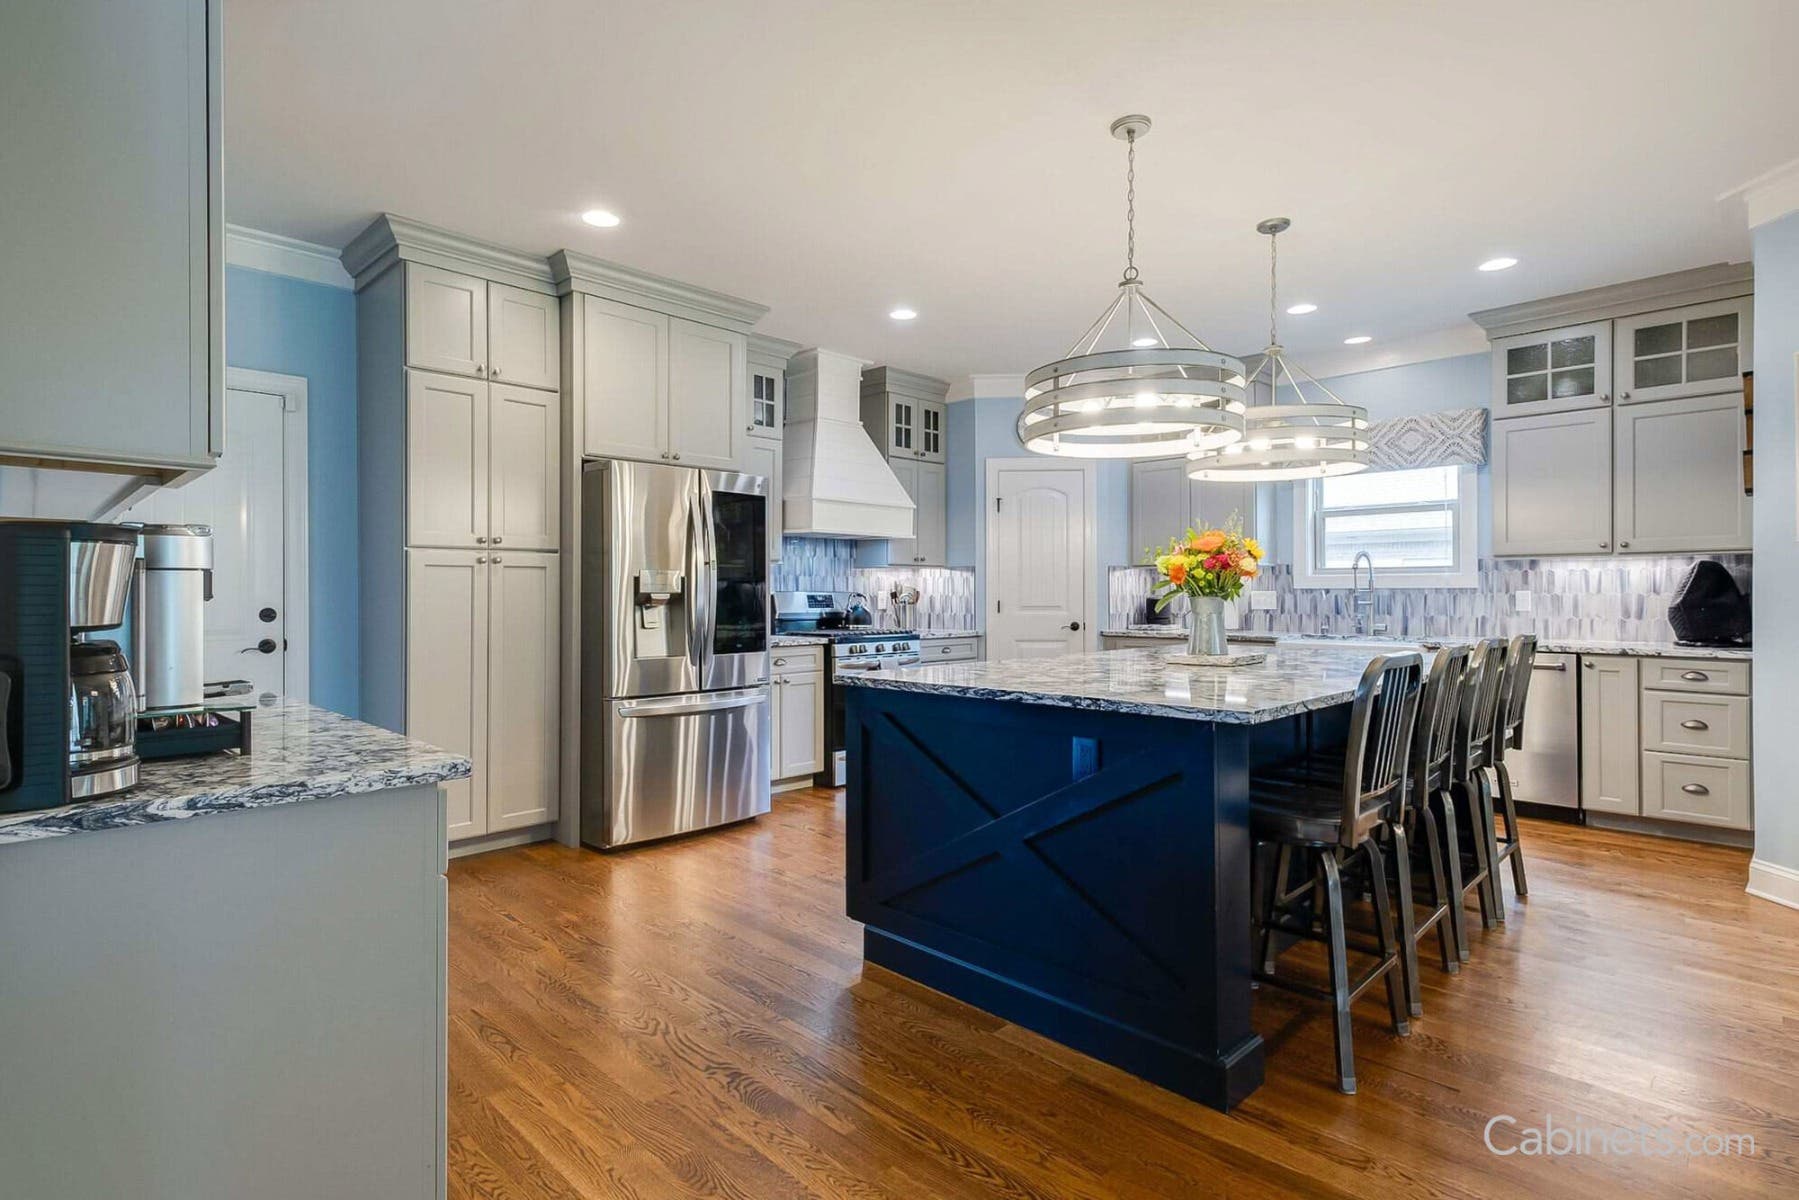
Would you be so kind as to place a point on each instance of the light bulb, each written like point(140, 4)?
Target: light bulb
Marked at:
point(1305, 443)
point(1143, 343)
point(1259, 444)
point(1145, 400)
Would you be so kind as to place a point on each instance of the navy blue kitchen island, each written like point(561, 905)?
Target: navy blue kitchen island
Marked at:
point(1064, 843)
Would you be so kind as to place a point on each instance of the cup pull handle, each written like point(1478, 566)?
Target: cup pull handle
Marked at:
point(1695, 676)
point(1694, 724)
point(1695, 789)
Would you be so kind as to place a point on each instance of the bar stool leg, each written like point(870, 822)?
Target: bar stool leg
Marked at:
point(1490, 835)
point(1408, 922)
point(1383, 929)
point(1277, 890)
point(1511, 829)
point(1452, 862)
point(1339, 972)
point(1439, 894)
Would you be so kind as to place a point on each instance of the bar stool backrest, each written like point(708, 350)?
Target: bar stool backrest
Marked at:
point(1480, 707)
point(1520, 661)
point(1381, 721)
point(1439, 706)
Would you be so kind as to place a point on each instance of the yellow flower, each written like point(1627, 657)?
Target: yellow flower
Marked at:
point(1253, 546)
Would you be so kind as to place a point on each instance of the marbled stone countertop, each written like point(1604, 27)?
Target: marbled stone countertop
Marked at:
point(1296, 678)
point(777, 640)
point(926, 635)
point(298, 753)
point(1168, 633)
point(1251, 637)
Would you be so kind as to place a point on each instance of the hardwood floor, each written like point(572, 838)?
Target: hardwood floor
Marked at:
point(694, 1019)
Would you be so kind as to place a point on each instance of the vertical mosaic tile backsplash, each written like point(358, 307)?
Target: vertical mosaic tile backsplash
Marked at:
point(1611, 599)
point(945, 594)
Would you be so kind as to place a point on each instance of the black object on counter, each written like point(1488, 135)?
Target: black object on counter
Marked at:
point(1708, 608)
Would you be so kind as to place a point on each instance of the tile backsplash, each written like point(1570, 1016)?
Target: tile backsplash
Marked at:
point(1612, 599)
point(945, 594)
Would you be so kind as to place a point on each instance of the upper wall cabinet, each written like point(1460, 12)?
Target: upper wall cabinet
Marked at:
point(1676, 476)
point(1557, 370)
point(708, 397)
point(1165, 504)
point(1699, 350)
point(905, 413)
point(768, 402)
point(110, 318)
point(1551, 484)
point(462, 325)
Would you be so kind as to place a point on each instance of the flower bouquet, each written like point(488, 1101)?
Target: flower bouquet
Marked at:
point(1208, 567)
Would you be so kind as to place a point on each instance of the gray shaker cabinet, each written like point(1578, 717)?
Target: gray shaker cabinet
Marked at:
point(1677, 476)
point(1609, 741)
point(1552, 478)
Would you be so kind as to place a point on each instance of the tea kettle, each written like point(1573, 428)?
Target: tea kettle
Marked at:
point(856, 611)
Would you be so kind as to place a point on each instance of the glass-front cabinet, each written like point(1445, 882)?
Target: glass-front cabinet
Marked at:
point(765, 403)
point(1699, 350)
point(1557, 370)
point(930, 431)
point(902, 427)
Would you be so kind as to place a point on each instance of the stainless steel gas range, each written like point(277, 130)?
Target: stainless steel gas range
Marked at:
point(819, 616)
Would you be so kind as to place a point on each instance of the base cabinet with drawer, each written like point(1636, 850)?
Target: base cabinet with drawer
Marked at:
point(951, 649)
point(797, 732)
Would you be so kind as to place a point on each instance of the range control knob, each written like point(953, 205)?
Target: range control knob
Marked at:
point(880, 649)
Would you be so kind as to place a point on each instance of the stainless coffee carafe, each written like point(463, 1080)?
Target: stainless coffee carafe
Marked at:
point(174, 584)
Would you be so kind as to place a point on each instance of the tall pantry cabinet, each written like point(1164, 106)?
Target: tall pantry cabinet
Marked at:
point(460, 442)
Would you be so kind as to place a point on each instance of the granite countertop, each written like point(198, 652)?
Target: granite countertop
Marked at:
point(299, 753)
point(1296, 678)
point(1169, 633)
point(926, 635)
point(1544, 645)
point(777, 640)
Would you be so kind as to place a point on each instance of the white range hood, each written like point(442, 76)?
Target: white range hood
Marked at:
point(836, 482)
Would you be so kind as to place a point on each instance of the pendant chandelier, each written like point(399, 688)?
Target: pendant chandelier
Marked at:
point(1137, 383)
point(1315, 437)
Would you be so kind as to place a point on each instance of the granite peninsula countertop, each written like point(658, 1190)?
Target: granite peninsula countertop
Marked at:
point(299, 753)
point(1249, 637)
point(1296, 678)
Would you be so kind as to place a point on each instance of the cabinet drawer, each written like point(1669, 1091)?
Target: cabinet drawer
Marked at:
point(1696, 675)
point(791, 660)
point(949, 650)
point(1716, 726)
point(1705, 791)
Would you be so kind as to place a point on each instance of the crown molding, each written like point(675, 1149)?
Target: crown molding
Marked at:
point(994, 386)
point(1401, 352)
point(390, 239)
point(573, 272)
point(260, 250)
point(1769, 196)
point(769, 351)
point(1719, 281)
point(880, 380)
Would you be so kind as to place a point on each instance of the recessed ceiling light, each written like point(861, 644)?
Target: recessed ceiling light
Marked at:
point(1300, 310)
point(903, 314)
point(1499, 264)
point(1358, 340)
point(1144, 343)
point(600, 217)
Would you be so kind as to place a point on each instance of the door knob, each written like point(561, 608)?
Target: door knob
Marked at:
point(266, 615)
point(265, 646)
point(1073, 625)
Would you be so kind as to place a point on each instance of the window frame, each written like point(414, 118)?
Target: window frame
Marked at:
point(1465, 574)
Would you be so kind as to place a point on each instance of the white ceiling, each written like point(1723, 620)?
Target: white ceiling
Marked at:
point(835, 158)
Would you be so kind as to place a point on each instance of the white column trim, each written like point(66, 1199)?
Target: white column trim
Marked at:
point(278, 255)
point(295, 488)
point(1771, 881)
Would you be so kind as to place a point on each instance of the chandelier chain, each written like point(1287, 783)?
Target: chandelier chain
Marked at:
point(1130, 208)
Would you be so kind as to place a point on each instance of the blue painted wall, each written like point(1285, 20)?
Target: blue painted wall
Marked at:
point(1776, 542)
point(295, 327)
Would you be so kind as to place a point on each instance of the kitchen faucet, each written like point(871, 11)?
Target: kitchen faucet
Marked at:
point(1362, 598)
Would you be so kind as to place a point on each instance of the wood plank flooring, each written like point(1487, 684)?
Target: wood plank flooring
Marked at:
point(694, 1019)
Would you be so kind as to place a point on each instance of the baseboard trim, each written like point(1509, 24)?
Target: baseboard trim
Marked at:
point(501, 841)
point(1742, 839)
point(1771, 881)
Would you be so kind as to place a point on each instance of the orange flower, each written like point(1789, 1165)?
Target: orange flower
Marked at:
point(1209, 541)
point(1248, 569)
point(1177, 573)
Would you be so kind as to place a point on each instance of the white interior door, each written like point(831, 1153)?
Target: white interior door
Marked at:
point(1038, 558)
point(244, 498)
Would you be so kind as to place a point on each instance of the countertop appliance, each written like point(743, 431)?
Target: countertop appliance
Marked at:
point(1546, 770)
point(849, 649)
point(67, 705)
point(675, 718)
point(1708, 608)
point(173, 583)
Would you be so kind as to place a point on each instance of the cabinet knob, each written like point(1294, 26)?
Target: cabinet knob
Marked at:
point(1589, 665)
point(1623, 545)
point(1606, 398)
point(1605, 545)
point(479, 369)
point(493, 372)
point(1623, 395)
point(480, 558)
point(677, 456)
point(496, 558)
point(496, 539)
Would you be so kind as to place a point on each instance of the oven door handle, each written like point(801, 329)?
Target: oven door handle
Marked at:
point(857, 666)
point(906, 662)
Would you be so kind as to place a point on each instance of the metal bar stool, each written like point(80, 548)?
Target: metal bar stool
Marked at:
point(1476, 724)
point(1520, 661)
point(1336, 823)
point(1419, 844)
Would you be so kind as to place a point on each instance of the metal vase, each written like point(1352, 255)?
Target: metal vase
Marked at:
point(1205, 632)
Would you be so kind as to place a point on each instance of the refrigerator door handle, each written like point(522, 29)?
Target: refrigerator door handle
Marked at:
point(705, 702)
point(702, 587)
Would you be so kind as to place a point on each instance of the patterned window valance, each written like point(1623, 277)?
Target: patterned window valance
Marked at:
point(1455, 438)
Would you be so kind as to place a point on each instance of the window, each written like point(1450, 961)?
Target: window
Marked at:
point(1418, 526)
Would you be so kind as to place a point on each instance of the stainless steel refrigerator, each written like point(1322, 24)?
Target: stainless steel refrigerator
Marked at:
point(675, 716)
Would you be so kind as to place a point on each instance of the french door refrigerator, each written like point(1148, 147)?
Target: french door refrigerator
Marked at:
point(675, 707)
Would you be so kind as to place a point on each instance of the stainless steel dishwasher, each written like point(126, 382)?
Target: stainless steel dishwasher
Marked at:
point(1547, 770)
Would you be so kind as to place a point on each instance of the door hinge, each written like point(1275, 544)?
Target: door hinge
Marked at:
point(998, 503)
point(999, 605)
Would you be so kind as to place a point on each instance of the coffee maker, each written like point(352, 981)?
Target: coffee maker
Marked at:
point(68, 707)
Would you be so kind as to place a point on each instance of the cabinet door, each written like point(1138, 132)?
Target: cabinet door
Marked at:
point(763, 457)
point(932, 516)
point(1678, 480)
point(931, 415)
point(1158, 505)
point(904, 551)
point(902, 427)
point(707, 395)
point(623, 385)
point(446, 671)
point(524, 484)
point(1215, 504)
point(523, 685)
point(446, 320)
point(1552, 484)
point(524, 337)
point(1698, 350)
point(1609, 746)
point(800, 724)
point(111, 271)
point(446, 460)
point(767, 403)
point(1558, 370)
